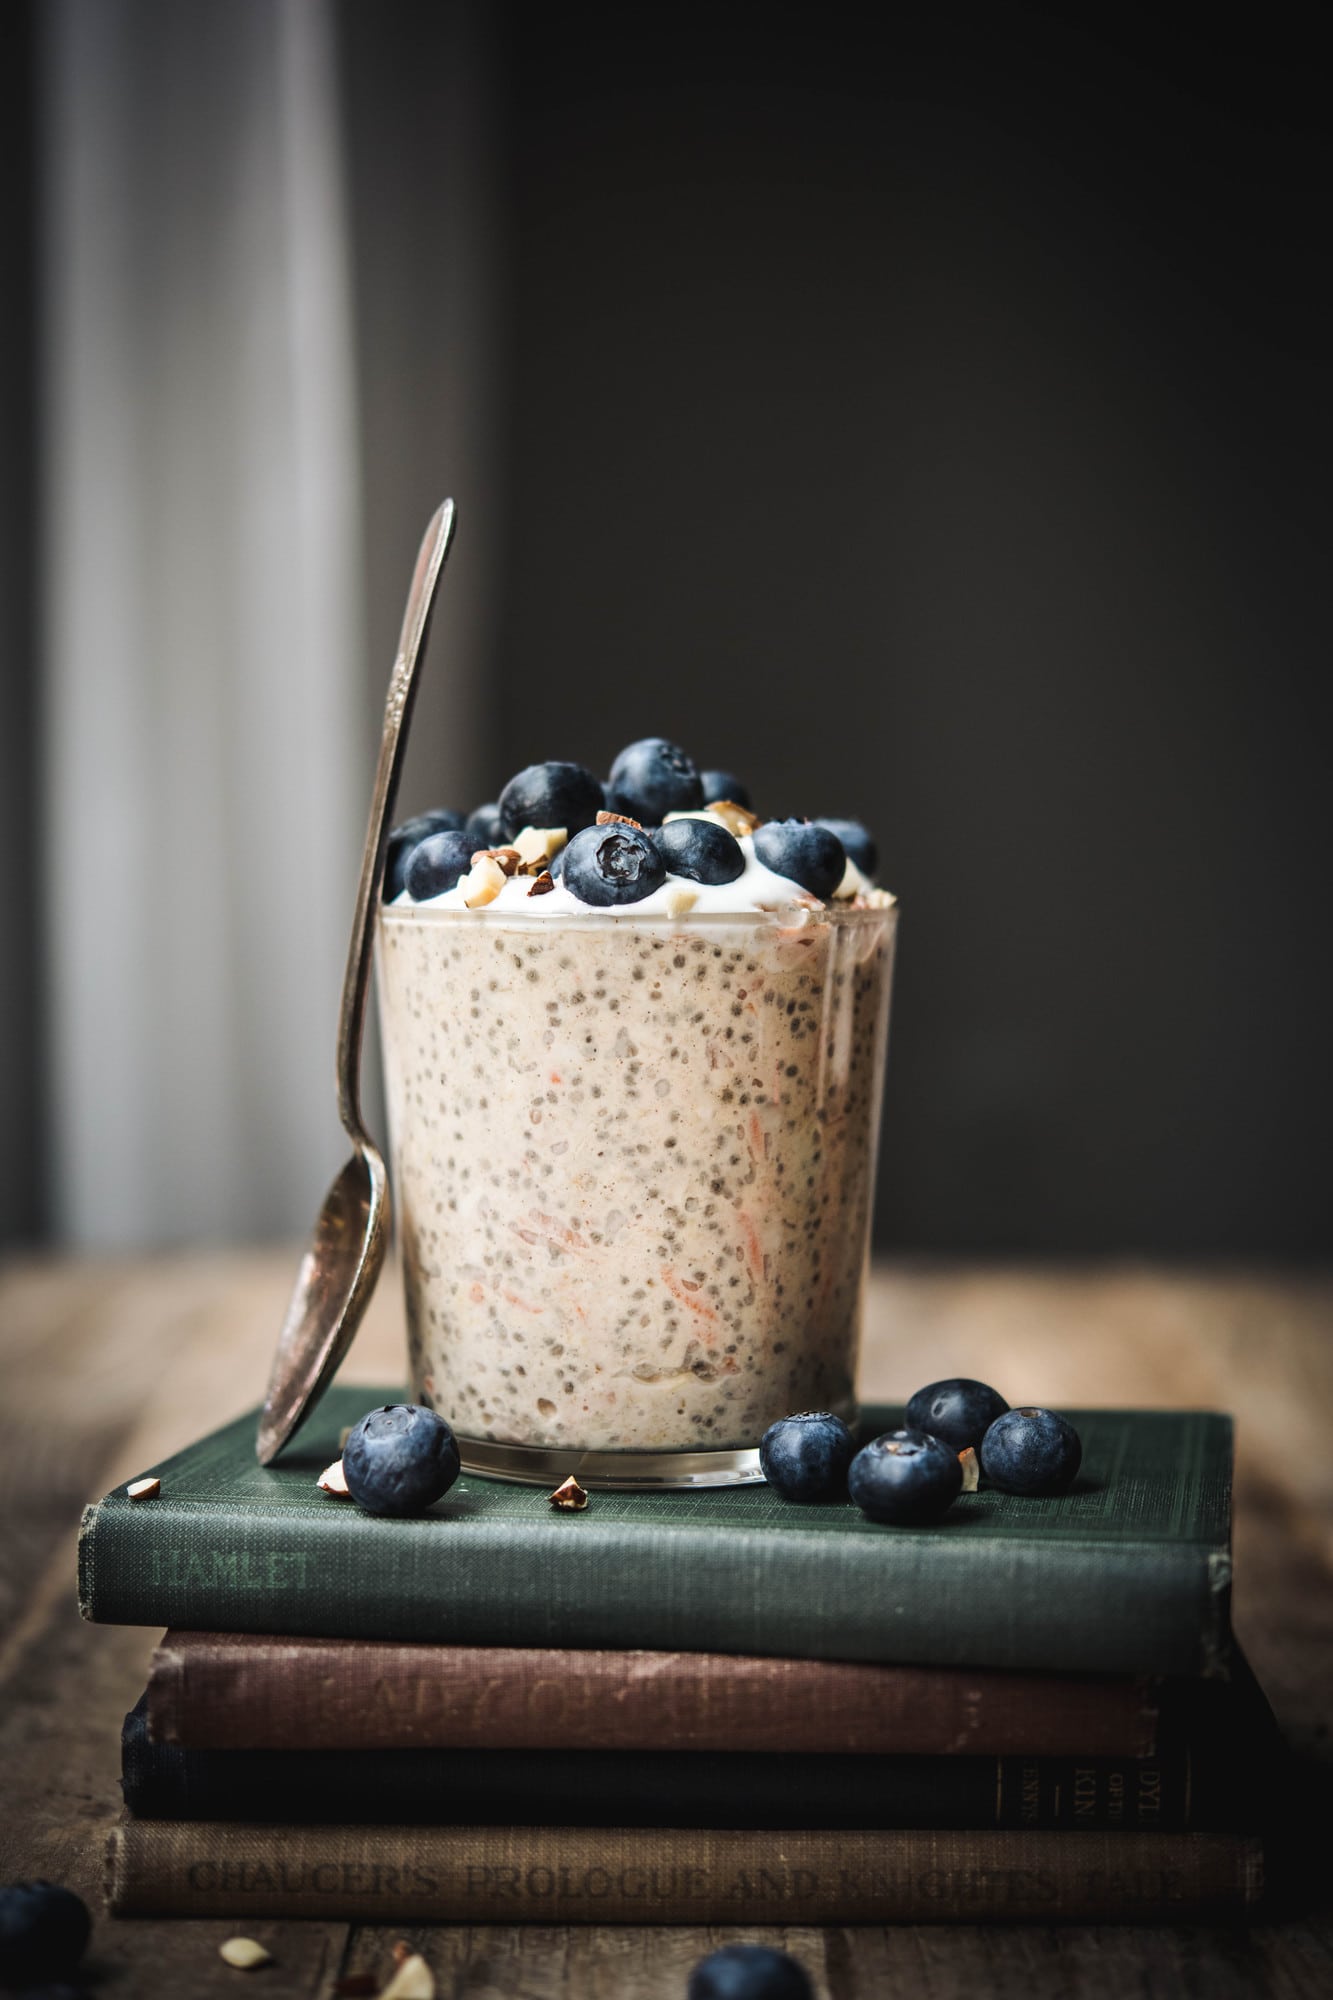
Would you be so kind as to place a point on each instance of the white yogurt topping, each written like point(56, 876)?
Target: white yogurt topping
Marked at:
point(756, 888)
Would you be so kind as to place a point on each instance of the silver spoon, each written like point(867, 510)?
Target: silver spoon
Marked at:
point(343, 1259)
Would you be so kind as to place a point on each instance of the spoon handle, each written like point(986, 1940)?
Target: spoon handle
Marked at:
point(397, 715)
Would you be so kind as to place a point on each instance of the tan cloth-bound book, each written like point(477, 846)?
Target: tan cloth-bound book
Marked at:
point(673, 1875)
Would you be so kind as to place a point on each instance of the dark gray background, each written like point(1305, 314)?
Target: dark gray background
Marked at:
point(930, 422)
point(933, 424)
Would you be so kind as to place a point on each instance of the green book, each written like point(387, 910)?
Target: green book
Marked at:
point(1128, 1573)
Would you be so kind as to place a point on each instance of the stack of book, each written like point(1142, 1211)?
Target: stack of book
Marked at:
point(705, 1707)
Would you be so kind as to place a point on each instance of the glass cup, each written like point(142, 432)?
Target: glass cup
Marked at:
point(633, 1165)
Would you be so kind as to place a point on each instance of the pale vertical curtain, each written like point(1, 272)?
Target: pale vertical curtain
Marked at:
point(206, 755)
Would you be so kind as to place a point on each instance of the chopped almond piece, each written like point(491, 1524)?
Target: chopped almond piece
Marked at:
point(483, 883)
point(538, 844)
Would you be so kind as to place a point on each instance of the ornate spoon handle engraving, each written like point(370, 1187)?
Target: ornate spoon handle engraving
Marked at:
point(393, 743)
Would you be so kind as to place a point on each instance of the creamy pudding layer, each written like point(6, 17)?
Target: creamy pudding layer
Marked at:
point(633, 1165)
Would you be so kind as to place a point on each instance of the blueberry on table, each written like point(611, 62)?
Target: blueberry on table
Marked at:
point(701, 850)
point(1031, 1451)
point(724, 785)
point(805, 853)
point(485, 828)
point(606, 865)
point(399, 1459)
point(651, 778)
point(44, 1931)
point(550, 794)
point(806, 1457)
point(436, 863)
point(905, 1478)
point(409, 835)
point(749, 1972)
point(857, 841)
point(960, 1411)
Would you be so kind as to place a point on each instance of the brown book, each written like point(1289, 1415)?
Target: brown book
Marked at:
point(674, 1875)
point(221, 1690)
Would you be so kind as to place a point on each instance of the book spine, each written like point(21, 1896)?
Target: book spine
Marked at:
point(577, 1875)
point(211, 1690)
point(669, 1788)
point(1138, 1608)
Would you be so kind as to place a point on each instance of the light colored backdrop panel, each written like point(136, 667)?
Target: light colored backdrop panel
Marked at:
point(206, 757)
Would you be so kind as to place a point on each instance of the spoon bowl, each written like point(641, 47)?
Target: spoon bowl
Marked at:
point(345, 1254)
point(334, 1281)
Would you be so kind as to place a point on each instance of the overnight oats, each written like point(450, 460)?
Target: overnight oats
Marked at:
point(634, 1051)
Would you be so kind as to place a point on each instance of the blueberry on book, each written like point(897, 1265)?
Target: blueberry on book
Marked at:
point(399, 1459)
point(805, 853)
point(857, 841)
point(651, 778)
point(44, 1931)
point(550, 794)
point(1031, 1451)
point(409, 835)
point(905, 1478)
point(436, 864)
point(700, 850)
point(806, 1457)
point(959, 1410)
point(607, 865)
point(724, 785)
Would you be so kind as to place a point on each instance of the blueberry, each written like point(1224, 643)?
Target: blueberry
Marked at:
point(806, 1457)
point(960, 1411)
point(749, 1972)
point(485, 828)
point(700, 850)
point(858, 843)
point(1031, 1451)
point(43, 1932)
point(724, 785)
point(409, 835)
point(612, 864)
point(905, 1477)
point(436, 863)
point(652, 778)
point(805, 853)
point(550, 795)
point(399, 1459)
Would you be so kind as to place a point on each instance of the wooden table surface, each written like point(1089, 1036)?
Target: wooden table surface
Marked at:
point(106, 1367)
